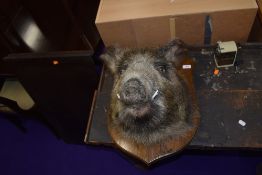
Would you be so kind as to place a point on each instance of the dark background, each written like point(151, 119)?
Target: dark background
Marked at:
point(68, 25)
point(58, 25)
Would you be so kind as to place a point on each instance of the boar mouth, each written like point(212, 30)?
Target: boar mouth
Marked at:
point(136, 97)
point(138, 110)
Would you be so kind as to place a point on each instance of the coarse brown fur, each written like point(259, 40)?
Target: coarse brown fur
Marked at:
point(142, 72)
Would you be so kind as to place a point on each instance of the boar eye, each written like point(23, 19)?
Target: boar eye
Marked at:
point(122, 68)
point(162, 69)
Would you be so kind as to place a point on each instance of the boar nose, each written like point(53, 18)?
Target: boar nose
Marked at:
point(133, 92)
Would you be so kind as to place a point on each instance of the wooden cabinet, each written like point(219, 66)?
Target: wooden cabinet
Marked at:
point(48, 25)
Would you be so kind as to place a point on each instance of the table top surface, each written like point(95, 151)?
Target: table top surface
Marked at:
point(225, 100)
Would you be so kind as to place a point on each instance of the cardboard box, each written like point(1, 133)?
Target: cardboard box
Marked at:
point(140, 23)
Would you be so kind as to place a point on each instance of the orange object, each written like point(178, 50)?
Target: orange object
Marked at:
point(216, 71)
point(55, 62)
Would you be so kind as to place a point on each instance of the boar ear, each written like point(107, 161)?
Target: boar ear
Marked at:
point(175, 52)
point(111, 58)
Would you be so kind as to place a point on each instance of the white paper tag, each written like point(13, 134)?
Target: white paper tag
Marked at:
point(186, 66)
point(242, 123)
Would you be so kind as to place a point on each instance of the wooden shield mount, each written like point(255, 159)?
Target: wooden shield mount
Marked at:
point(153, 152)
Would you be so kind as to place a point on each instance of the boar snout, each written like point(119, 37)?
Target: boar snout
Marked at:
point(133, 91)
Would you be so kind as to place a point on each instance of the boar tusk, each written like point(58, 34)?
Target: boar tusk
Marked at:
point(155, 94)
point(118, 96)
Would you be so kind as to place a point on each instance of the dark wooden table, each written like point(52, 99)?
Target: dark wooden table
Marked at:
point(234, 95)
